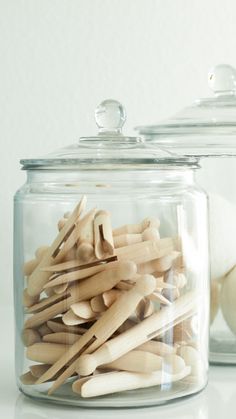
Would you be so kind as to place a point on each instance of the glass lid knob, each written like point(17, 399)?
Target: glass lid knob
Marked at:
point(110, 117)
point(222, 79)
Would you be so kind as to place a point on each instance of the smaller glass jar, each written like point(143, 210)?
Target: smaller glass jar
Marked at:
point(111, 258)
point(207, 130)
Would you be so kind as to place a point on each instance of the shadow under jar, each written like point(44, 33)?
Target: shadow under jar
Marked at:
point(111, 273)
point(207, 130)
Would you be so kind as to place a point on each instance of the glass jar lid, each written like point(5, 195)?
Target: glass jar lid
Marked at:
point(109, 149)
point(208, 126)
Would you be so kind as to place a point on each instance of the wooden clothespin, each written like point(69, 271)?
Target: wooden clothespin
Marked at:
point(39, 278)
point(103, 238)
point(103, 328)
point(84, 290)
point(139, 334)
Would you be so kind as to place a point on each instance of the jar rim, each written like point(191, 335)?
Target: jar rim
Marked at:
point(111, 164)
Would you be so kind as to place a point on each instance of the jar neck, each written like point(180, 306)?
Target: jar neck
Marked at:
point(173, 175)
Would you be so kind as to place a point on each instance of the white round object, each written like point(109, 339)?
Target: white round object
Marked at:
point(222, 235)
point(228, 300)
point(215, 299)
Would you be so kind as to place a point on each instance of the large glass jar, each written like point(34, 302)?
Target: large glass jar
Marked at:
point(207, 130)
point(111, 273)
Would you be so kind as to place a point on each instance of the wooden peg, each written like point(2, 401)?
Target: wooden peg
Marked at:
point(27, 300)
point(126, 325)
point(71, 253)
point(44, 330)
point(145, 309)
point(160, 284)
point(124, 286)
point(138, 253)
point(61, 223)
point(58, 327)
point(40, 252)
point(29, 266)
point(39, 278)
point(160, 265)
point(173, 364)
point(79, 272)
point(109, 297)
point(48, 313)
point(63, 267)
point(65, 338)
point(192, 359)
point(72, 239)
point(46, 302)
point(104, 327)
point(103, 281)
point(49, 292)
point(122, 381)
point(30, 336)
point(157, 296)
point(184, 331)
point(71, 319)
point(158, 348)
point(145, 251)
point(103, 235)
point(171, 294)
point(85, 252)
point(28, 379)
point(70, 370)
point(38, 370)
point(136, 361)
point(85, 246)
point(45, 353)
point(150, 233)
point(83, 309)
point(139, 334)
point(140, 309)
point(97, 304)
point(127, 239)
point(123, 307)
point(85, 290)
point(137, 228)
point(60, 289)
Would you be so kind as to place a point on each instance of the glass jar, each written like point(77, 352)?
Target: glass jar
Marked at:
point(111, 273)
point(207, 130)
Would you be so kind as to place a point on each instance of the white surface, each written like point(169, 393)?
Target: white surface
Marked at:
point(217, 401)
point(60, 58)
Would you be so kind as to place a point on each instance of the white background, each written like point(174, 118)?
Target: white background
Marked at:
point(60, 58)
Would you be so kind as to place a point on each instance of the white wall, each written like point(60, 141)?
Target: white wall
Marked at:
point(60, 58)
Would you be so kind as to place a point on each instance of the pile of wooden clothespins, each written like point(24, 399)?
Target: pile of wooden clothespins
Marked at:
point(97, 301)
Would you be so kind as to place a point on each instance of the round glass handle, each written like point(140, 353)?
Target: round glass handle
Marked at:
point(222, 79)
point(110, 117)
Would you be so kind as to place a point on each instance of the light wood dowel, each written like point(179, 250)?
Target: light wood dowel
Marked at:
point(105, 326)
point(39, 278)
point(137, 335)
point(121, 381)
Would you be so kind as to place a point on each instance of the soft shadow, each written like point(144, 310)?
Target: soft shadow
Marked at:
point(195, 407)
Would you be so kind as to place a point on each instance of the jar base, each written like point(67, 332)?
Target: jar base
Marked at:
point(223, 350)
point(151, 396)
